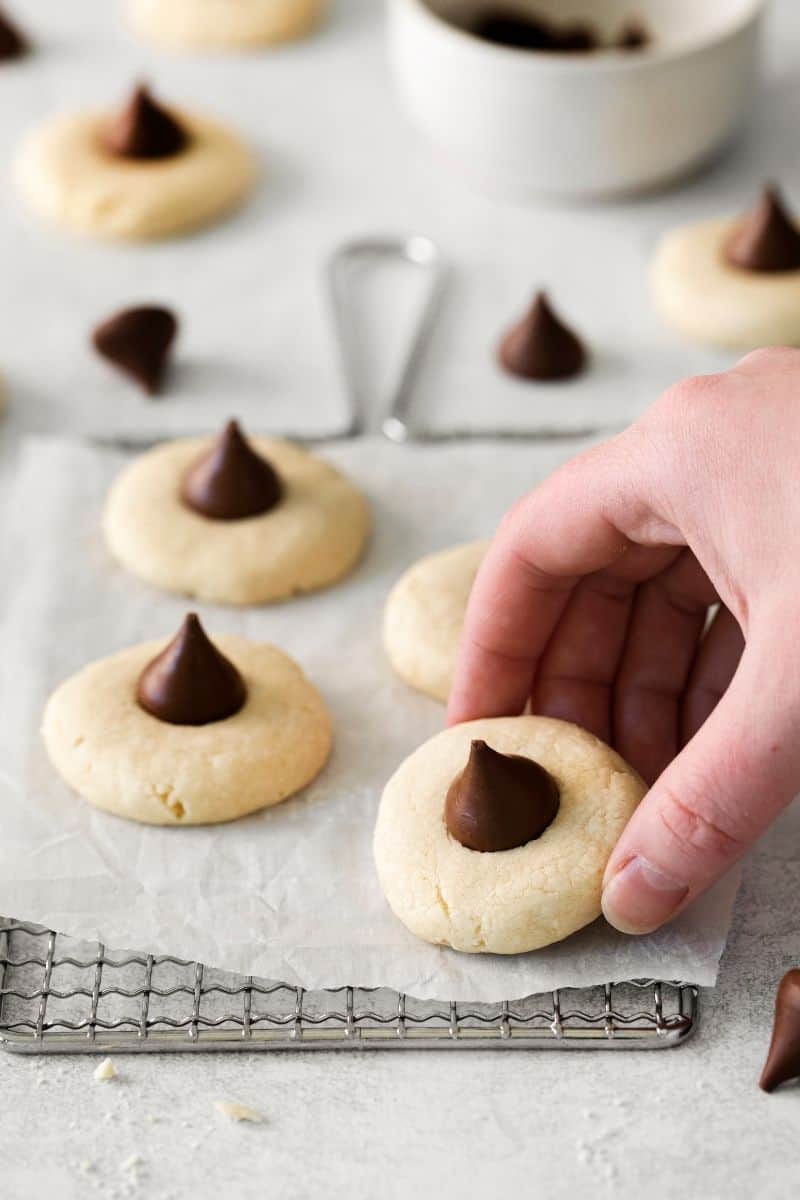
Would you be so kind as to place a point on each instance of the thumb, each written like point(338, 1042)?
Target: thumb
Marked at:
point(716, 798)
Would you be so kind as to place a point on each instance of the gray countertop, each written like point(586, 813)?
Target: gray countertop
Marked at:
point(689, 1122)
point(676, 1123)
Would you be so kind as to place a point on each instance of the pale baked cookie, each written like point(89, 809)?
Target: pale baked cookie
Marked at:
point(730, 282)
point(507, 901)
point(223, 24)
point(124, 759)
point(311, 536)
point(67, 174)
point(424, 617)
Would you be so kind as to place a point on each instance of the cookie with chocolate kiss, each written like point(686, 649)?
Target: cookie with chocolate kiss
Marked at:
point(499, 801)
point(493, 836)
point(767, 240)
point(144, 129)
point(175, 736)
point(231, 481)
point(191, 682)
point(138, 341)
point(541, 346)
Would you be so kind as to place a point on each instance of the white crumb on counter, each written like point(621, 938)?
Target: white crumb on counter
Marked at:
point(238, 1112)
point(105, 1071)
point(131, 1163)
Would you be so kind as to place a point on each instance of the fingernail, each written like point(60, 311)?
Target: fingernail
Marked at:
point(640, 898)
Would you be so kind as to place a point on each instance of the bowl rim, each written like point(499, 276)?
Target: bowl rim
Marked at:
point(570, 60)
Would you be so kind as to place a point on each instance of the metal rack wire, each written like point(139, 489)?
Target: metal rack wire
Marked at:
point(58, 995)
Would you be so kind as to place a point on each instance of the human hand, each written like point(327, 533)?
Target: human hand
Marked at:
point(593, 602)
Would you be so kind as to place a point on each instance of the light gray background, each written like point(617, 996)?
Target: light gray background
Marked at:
point(688, 1123)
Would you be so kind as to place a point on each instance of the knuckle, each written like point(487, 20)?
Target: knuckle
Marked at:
point(682, 428)
point(685, 401)
point(700, 827)
point(513, 521)
point(768, 357)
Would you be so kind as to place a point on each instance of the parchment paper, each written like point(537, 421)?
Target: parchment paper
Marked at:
point(288, 894)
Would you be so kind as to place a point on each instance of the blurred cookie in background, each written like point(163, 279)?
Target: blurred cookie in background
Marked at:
point(733, 282)
point(223, 24)
point(235, 520)
point(143, 173)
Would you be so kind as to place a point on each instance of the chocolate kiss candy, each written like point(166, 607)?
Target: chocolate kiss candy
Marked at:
point(541, 346)
point(231, 481)
point(138, 341)
point(783, 1060)
point(12, 43)
point(191, 683)
point(145, 130)
point(499, 801)
point(767, 239)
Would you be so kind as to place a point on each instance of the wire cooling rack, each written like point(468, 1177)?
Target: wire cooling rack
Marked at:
point(58, 995)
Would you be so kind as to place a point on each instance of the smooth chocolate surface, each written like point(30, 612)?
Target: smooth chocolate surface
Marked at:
point(499, 801)
point(191, 682)
point(507, 27)
point(138, 341)
point(231, 481)
point(783, 1060)
point(767, 239)
point(145, 130)
point(12, 42)
point(541, 346)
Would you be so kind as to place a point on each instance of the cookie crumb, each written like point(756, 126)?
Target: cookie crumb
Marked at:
point(238, 1112)
point(105, 1071)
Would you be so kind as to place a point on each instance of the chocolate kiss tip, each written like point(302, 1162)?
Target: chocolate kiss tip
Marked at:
point(144, 130)
point(138, 341)
point(783, 1059)
point(767, 238)
point(191, 682)
point(499, 801)
point(541, 346)
point(12, 42)
point(231, 481)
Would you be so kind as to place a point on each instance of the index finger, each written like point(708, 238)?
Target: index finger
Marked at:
point(581, 520)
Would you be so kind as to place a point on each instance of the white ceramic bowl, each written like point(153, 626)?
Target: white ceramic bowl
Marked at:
point(525, 123)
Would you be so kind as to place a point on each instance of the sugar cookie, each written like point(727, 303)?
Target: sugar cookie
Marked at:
point(512, 900)
point(289, 523)
point(732, 283)
point(424, 617)
point(195, 756)
point(223, 24)
point(143, 175)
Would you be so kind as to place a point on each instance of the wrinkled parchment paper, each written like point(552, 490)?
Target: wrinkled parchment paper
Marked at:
point(291, 893)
